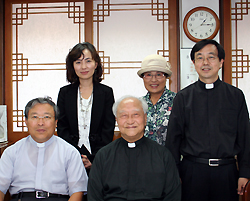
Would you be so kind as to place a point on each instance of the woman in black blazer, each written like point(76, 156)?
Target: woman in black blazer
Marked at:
point(86, 120)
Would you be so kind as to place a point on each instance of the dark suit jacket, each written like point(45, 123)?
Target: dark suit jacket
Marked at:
point(102, 122)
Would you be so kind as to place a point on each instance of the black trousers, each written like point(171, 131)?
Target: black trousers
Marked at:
point(40, 199)
point(84, 198)
point(200, 182)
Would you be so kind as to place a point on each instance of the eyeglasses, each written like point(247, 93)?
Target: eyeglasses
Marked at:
point(44, 118)
point(209, 59)
point(157, 76)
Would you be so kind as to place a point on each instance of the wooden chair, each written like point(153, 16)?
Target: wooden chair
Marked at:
point(246, 193)
point(7, 196)
point(117, 135)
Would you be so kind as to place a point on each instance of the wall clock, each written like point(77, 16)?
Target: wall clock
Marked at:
point(201, 23)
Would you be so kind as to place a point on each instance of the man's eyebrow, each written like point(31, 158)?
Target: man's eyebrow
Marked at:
point(198, 54)
point(137, 110)
point(47, 113)
point(32, 113)
point(212, 53)
point(121, 111)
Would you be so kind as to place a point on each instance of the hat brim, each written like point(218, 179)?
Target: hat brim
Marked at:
point(164, 70)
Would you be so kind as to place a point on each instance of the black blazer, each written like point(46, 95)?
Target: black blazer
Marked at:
point(102, 121)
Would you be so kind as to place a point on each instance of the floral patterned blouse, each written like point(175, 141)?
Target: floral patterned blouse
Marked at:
point(158, 116)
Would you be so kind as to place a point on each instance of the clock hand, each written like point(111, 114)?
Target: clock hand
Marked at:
point(203, 22)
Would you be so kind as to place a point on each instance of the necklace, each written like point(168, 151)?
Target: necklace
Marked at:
point(85, 108)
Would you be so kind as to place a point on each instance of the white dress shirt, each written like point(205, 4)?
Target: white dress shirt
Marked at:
point(54, 166)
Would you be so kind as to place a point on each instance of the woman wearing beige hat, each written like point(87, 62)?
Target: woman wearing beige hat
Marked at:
point(154, 71)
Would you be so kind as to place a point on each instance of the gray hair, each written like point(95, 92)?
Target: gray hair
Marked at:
point(45, 100)
point(142, 101)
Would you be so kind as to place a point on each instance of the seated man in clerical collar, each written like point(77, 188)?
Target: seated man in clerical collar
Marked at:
point(133, 167)
point(42, 165)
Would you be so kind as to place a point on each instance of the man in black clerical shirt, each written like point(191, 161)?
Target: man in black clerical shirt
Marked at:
point(209, 129)
point(133, 167)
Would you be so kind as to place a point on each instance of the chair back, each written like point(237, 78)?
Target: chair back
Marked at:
point(117, 135)
point(246, 193)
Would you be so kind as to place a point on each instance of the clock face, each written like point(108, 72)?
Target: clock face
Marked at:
point(201, 23)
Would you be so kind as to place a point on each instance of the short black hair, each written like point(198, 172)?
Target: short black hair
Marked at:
point(199, 45)
point(45, 100)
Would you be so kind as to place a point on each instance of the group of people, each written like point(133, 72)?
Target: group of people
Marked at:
point(189, 146)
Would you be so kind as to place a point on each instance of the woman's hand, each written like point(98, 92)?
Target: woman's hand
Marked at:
point(87, 164)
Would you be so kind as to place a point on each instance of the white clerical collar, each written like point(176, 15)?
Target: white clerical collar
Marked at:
point(131, 145)
point(48, 142)
point(40, 144)
point(209, 86)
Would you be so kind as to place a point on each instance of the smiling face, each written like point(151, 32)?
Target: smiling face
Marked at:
point(85, 66)
point(41, 122)
point(207, 63)
point(131, 119)
point(153, 85)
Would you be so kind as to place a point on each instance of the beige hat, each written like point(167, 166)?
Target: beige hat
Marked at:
point(155, 62)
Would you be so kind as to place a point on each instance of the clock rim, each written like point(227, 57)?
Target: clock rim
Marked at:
point(199, 9)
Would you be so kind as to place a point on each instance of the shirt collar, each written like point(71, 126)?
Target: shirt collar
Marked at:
point(134, 144)
point(203, 85)
point(45, 144)
point(147, 97)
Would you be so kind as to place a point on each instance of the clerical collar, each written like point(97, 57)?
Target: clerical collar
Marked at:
point(132, 145)
point(40, 144)
point(209, 86)
point(44, 144)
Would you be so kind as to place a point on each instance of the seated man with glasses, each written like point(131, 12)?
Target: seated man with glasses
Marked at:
point(155, 71)
point(42, 165)
point(209, 127)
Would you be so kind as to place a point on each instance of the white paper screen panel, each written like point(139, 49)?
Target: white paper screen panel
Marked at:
point(240, 20)
point(42, 35)
point(126, 32)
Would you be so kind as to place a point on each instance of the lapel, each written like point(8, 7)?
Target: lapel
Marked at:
point(72, 106)
point(97, 107)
